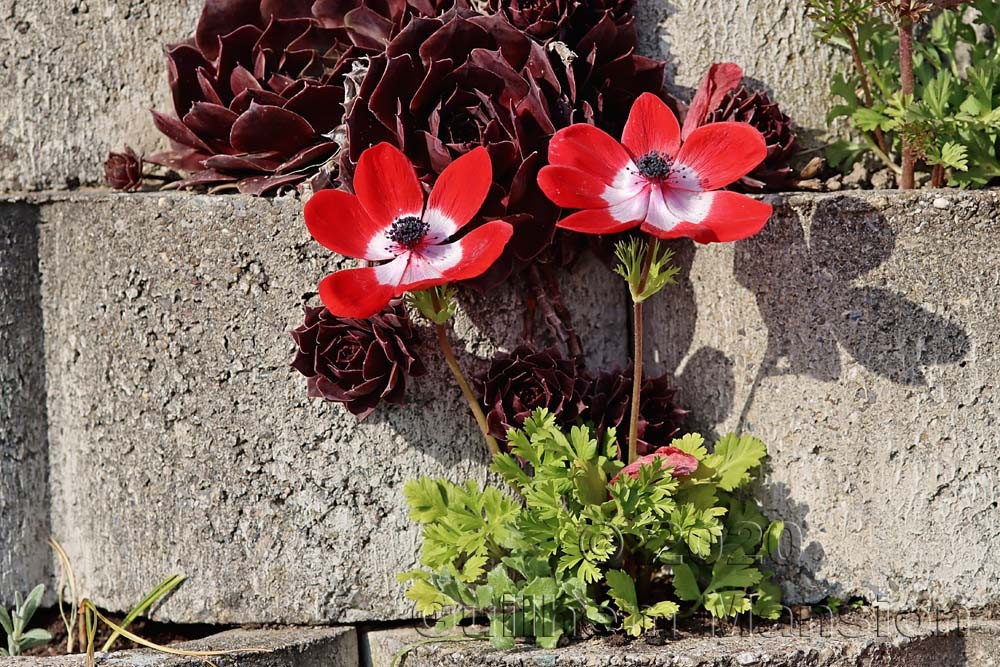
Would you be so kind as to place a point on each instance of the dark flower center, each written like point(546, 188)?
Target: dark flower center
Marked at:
point(654, 165)
point(408, 231)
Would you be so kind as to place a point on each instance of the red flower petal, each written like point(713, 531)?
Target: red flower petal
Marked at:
point(651, 126)
point(596, 221)
point(571, 188)
point(723, 216)
point(683, 463)
point(588, 149)
point(387, 185)
point(458, 194)
point(338, 221)
point(355, 292)
point(720, 79)
point(721, 153)
point(469, 257)
point(480, 248)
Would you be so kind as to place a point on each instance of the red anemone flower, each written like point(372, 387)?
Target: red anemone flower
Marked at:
point(387, 220)
point(653, 180)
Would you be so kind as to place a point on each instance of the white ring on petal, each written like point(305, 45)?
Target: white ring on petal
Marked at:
point(689, 206)
point(683, 177)
point(442, 227)
point(626, 185)
point(392, 273)
point(382, 247)
point(431, 261)
point(630, 210)
point(659, 214)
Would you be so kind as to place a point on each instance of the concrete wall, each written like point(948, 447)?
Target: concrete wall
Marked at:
point(857, 336)
point(79, 76)
point(181, 441)
point(772, 41)
point(847, 335)
point(24, 488)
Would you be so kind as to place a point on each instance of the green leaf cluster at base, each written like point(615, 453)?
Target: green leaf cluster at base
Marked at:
point(574, 541)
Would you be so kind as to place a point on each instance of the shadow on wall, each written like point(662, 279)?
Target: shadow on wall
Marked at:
point(25, 559)
point(811, 307)
point(809, 304)
point(796, 562)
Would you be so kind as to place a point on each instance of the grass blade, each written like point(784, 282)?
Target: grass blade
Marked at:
point(158, 593)
point(66, 575)
point(89, 609)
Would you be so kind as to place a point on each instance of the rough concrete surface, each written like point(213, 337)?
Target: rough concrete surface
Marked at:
point(772, 41)
point(857, 336)
point(181, 441)
point(853, 641)
point(24, 488)
point(79, 76)
point(285, 647)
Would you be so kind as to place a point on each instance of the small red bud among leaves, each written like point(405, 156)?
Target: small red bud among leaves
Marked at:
point(681, 463)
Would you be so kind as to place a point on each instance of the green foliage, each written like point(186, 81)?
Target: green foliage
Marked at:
point(585, 545)
point(437, 304)
point(645, 275)
point(953, 118)
point(15, 624)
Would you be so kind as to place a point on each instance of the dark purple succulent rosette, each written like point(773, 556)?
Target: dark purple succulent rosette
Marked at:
point(257, 93)
point(358, 363)
point(608, 76)
point(373, 23)
point(608, 404)
point(756, 108)
point(560, 20)
point(448, 84)
point(527, 379)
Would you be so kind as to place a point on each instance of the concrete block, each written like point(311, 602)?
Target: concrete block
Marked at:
point(283, 647)
point(80, 76)
point(856, 640)
point(772, 41)
point(857, 336)
point(24, 489)
point(182, 441)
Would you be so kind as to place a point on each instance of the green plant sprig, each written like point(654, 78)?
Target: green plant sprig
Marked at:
point(583, 543)
point(929, 105)
point(437, 304)
point(15, 623)
point(160, 591)
point(645, 274)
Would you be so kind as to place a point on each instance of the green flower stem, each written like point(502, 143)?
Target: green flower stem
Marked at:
point(866, 89)
point(908, 85)
point(633, 424)
point(463, 383)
